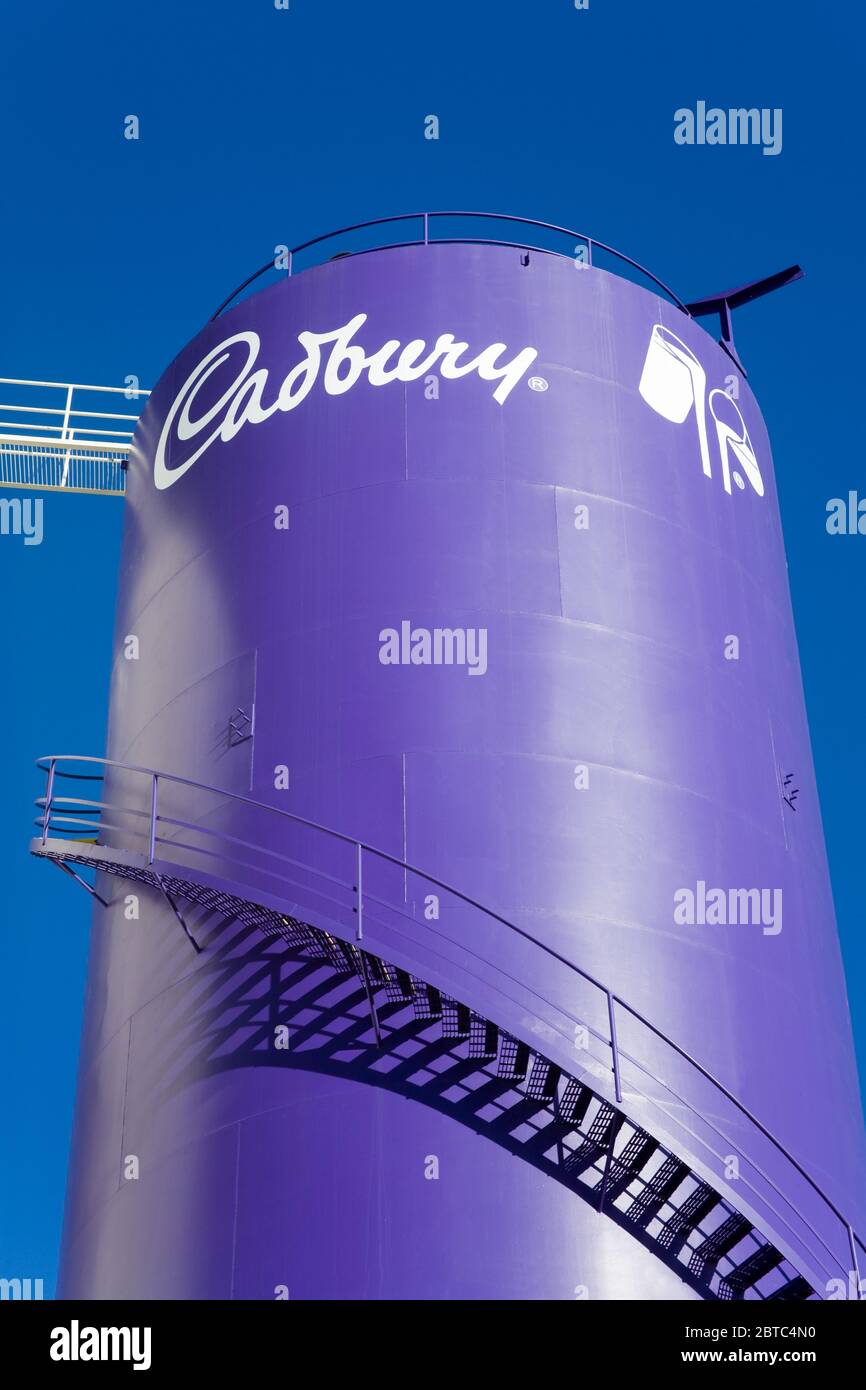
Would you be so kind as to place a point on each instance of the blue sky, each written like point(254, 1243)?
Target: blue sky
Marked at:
point(261, 126)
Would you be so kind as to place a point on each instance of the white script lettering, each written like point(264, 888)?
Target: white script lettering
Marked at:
point(243, 400)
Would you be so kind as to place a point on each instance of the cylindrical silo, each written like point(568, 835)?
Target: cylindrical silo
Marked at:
point(472, 557)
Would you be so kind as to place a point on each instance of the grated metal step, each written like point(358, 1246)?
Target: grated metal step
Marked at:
point(688, 1217)
point(377, 970)
point(399, 989)
point(749, 1272)
point(796, 1289)
point(483, 1039)
point(543, 1080)
point(575, 1102)
point(341, 955)
point(658, 1190)
point(597, 1141)
point(627, 1165)
point(513, 1058)
point(426, 1000)
point(456, 1018)
point(706, 1256)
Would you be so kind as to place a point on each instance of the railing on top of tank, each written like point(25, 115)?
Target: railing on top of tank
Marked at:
point(287, 258)
point(161, 836)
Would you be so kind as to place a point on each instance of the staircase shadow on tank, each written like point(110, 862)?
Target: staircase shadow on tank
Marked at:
point(332, 1000)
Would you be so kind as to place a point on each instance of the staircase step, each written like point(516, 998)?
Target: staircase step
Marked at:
point(456, 1018)
point(688, 1217)
point(377, 971)
point(399, 987)
point(426, 1001)
point(796, 1289)
point(662, 1185)
point(706, 1256)
point(543, 1080)
point(305, 938)
point(749, 1272)
point(483, 1039)
point(598, 1138)
point(343, 958)
point(627, 1165)
point(513, 1058)
point(575, 1102)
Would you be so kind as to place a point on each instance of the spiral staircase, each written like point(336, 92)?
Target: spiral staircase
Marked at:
point(675, 1159)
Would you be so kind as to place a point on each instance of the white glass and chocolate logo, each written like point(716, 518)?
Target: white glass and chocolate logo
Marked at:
point(673, 383)
point(251, 398)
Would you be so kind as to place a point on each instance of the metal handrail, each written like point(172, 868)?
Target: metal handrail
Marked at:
point(62, 446)
point(65, 431)
point(49, 765)
point(426, 239)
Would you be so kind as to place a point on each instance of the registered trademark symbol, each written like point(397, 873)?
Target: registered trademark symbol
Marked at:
point(538, 383)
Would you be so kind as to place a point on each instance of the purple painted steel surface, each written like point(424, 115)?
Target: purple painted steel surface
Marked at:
point(454, 502)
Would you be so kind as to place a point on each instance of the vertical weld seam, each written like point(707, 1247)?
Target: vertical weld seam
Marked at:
point(235, 1214)
point(125, 1095)
point(405, 846)
point(558, 555)
point(776, 780)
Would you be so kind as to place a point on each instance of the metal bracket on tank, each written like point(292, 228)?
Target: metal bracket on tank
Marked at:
point(240, 725)
point(173, 905)
point(61, 864)
point(724, 304)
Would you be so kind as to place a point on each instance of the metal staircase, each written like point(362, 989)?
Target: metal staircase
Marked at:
point(601, 1128)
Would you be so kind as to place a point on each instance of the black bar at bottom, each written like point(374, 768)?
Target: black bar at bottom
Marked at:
point(258, 1340)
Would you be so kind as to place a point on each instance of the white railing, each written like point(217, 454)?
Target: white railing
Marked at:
point(59, 441)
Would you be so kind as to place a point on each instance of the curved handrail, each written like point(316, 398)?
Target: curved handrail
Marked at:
point(425, 218)
point(49, 765)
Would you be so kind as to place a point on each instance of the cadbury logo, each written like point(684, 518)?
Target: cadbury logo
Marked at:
point(244, 399)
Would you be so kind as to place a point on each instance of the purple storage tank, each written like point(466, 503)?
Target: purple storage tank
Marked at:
point(476, 939)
